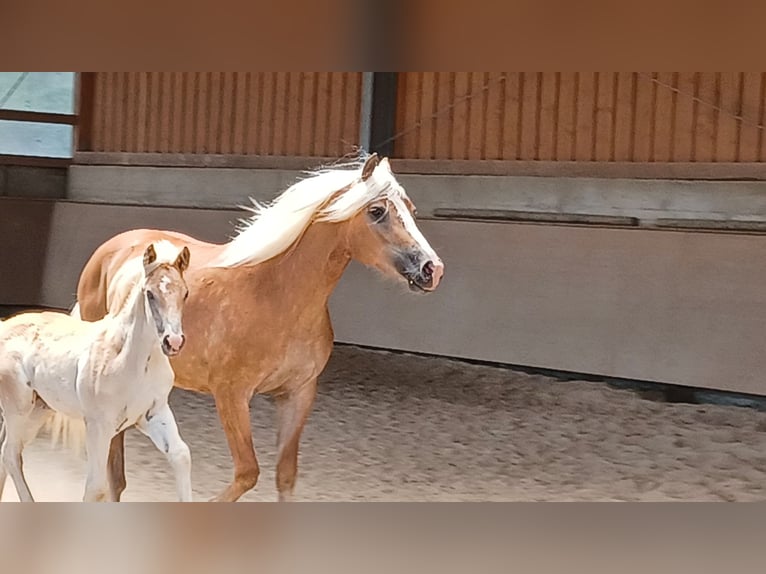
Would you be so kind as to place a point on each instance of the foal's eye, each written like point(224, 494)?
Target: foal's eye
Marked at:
point(150, 295)
point(376, 212)
point(186, 296)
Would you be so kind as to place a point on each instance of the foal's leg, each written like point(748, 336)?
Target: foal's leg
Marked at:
point(160, 426)
point(234, 412)
point(292, 411)
point(19, 430)
point(3, 472)
point(97, 439)
point(14, 465)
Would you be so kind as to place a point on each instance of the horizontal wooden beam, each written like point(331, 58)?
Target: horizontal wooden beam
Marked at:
point(610, 170)
point(498, 215)
point(34, 161)
point(38, 117)
point(200, 160)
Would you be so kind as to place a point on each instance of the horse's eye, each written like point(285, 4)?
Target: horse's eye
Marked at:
point(376, 212)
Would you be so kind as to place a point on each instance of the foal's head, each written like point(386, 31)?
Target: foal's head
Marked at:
point(384, 234)
point(166, 291)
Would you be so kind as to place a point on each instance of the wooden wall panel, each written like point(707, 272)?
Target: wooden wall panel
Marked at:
point(242, 113)
point(582, 116)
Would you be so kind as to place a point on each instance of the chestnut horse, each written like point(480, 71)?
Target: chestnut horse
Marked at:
point(257, 318)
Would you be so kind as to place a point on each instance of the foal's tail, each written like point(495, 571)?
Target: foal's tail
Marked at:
point(67, 432)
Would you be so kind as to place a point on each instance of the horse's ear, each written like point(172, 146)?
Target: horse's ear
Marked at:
point(150, 255)
point(182, 261)
point(369, 166)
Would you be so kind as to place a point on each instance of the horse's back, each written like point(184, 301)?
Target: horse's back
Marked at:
point(107, 260)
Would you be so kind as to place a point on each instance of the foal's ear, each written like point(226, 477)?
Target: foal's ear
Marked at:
point(182, 261)
point(150, 255)
point(369, 166)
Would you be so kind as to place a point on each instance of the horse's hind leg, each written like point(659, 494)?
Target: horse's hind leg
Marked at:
point(234, 412)
point(116, 465)
point(292, 411)
point(160, 426)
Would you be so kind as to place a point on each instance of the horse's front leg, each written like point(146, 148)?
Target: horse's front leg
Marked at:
point(160, 426)
point(97, 439)
point(293, 409)
point(234, 412)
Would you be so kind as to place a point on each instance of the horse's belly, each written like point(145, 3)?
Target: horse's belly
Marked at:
point(54, 381)
point(299, 364)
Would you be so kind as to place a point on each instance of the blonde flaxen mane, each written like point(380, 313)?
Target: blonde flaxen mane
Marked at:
point(331, 194)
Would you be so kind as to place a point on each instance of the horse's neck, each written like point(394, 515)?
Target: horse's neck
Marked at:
point(312, 267)
point(133, 319)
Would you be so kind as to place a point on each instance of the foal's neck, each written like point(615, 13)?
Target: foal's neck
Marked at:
point(134, 319)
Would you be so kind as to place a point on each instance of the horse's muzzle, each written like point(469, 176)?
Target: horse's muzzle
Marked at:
point(428, 278)
point(172, 344)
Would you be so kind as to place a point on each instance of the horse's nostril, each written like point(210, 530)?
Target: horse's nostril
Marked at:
point(428, 269)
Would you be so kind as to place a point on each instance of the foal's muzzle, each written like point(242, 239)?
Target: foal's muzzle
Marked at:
point(172, 344)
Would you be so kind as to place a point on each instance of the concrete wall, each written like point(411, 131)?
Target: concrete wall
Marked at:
point(37, 182)
point(649, 202)
point(669, 306)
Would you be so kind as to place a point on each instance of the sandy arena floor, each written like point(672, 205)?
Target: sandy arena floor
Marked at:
point(401, 427)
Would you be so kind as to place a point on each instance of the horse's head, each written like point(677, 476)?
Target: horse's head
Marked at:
point(166, 291)
point(384, 234)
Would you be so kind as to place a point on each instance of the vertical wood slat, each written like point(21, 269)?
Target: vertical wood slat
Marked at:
point(750, 107)
point(154, 115)
point(292, 99)
point(166, 98)
point(566, 122)
point(131, 111)
point(406, 101)
point(476, 113)
point(529, 115)
point(459, 115)
point(321, 118)
point(548, 116)
point(141, 111)
point(664, 112)
point(707, 117)
point(353, 111)
point(494, 108)
point(213, 134)
point(604, 116)
point(727, 141)
point(442, 123)
point(509, 148)
point(623, 117)
point(264, 109)
point(684, 128)
point(644, 117)
point(191, 93)
point(425, 143)
point(586, 103)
